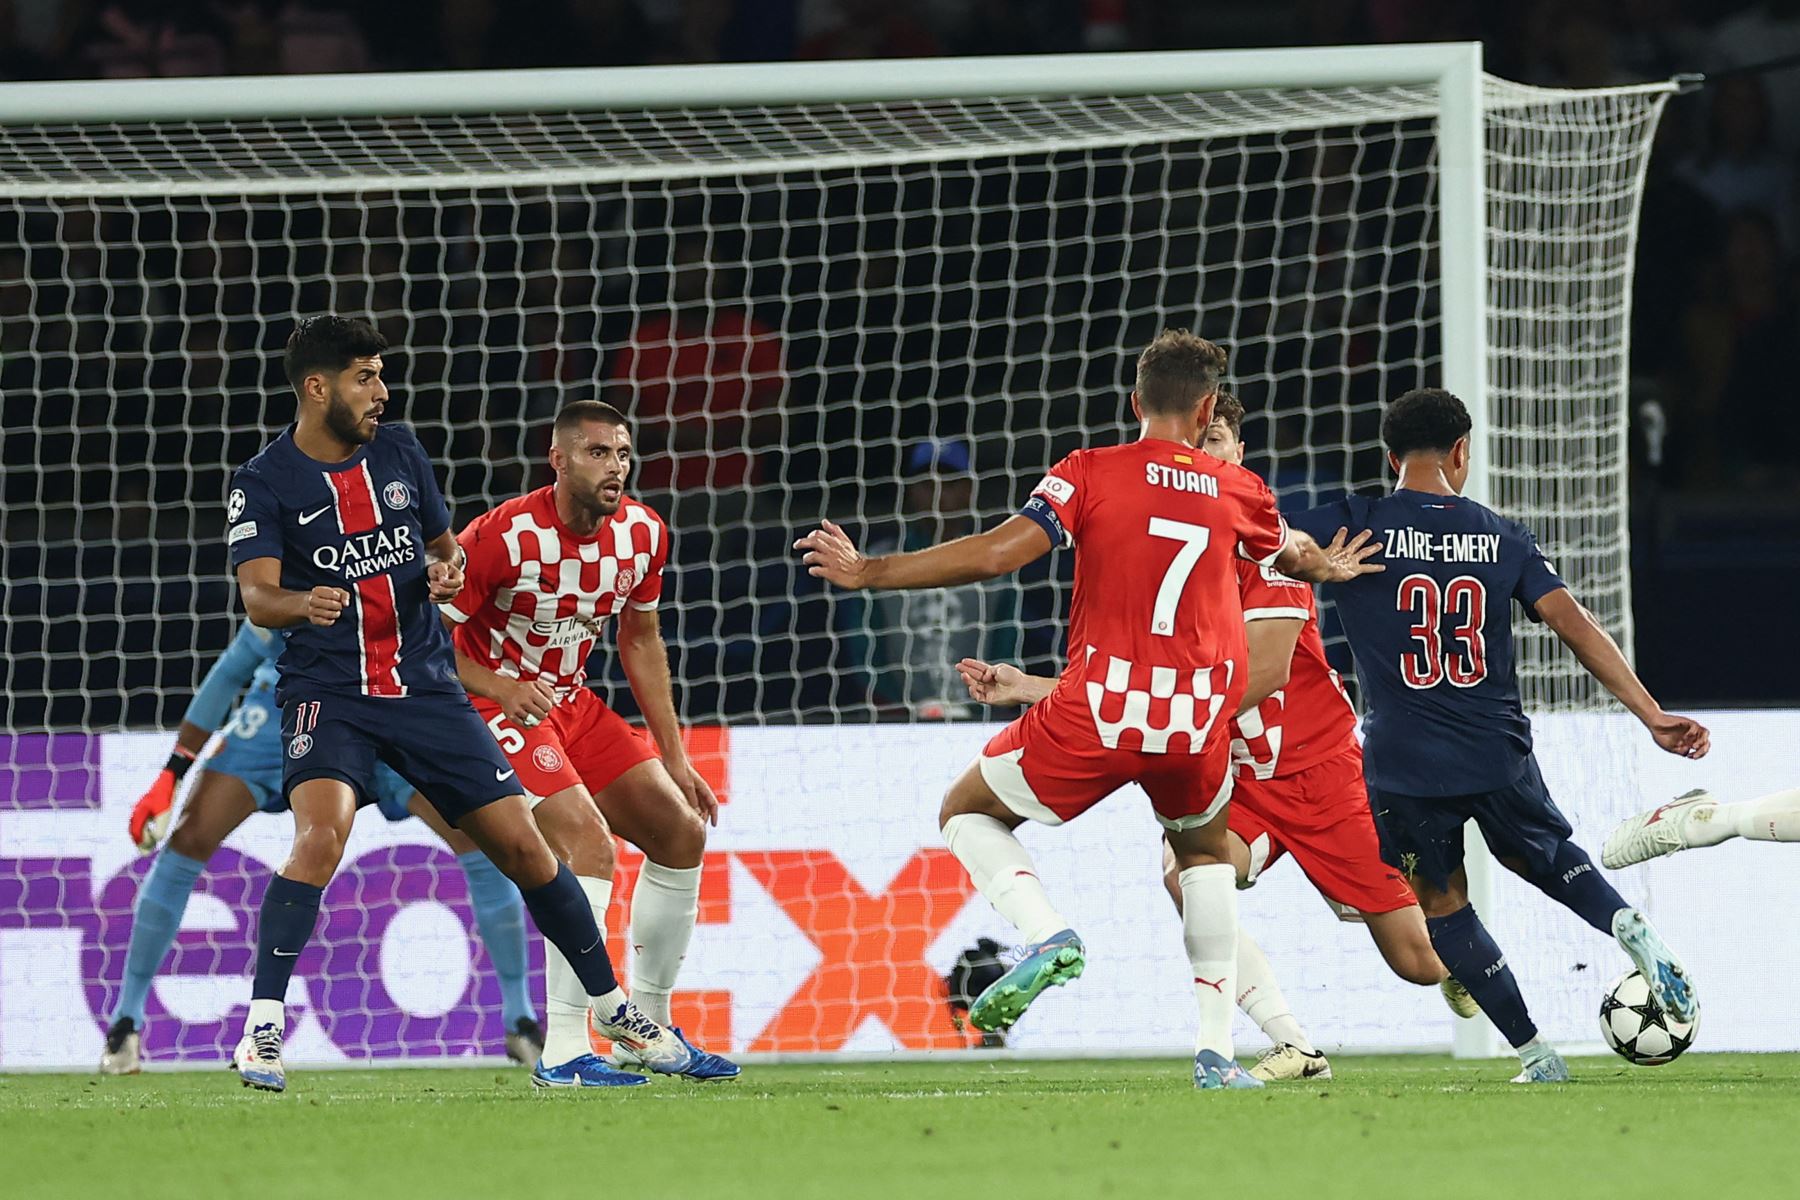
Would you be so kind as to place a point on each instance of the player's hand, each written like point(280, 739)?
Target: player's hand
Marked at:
point(527, 702)
point(993, 683)
point(694, 788)
point(1347, 560)
point(446, 579)
point(1680, 735)
point(833, 557)
point(150, 815)
point(324, 605)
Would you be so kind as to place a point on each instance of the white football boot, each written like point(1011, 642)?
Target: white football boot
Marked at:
point(1662, 830)
point(1280, 1064)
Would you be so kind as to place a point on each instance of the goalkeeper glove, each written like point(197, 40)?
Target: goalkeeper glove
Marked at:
point(150, 815)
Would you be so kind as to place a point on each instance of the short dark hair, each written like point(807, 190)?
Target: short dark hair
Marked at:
point(1424, 420)
point(576, 411)
point(329, 343)
point(1177, 371)
point(1230, 410)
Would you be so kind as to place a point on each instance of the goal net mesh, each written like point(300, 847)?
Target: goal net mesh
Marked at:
point(895, 315)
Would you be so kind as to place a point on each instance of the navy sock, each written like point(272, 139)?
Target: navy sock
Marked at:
point(1469, 952)
point(289, 911)
point(563, 915)
point(1572, 880)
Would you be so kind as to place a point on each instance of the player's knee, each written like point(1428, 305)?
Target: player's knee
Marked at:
point(318, 848)
point(590, 851)
point(525, 859)
point(190, 841)
point(1418, 964)
point(681, 844)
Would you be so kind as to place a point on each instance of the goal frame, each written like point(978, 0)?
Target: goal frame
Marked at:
point(1453, 69)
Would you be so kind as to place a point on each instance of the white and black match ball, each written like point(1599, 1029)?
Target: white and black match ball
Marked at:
point(1637, 1028)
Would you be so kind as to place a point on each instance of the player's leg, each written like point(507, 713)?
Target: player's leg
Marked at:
point(642, 805)
point(1191, 794)
point(1291, 1054)
point(1696, 819)
point(579, 836)
point(499, 915)
point(218, 804)
point(1530, 835)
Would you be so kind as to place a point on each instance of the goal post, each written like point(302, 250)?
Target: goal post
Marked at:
point(935, 275)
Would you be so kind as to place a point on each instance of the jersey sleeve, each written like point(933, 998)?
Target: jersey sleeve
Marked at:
point(484, 554)
point(1323, 522)
point(1268, 594)
point(434, 514)
point(1537, 574)
point(252, 518)
point(229, 675)
point(1059, 500)
point(648, 592)
point(1262, 533)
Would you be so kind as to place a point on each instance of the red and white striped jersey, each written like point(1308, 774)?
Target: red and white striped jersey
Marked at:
point(536, 597)
point(1309, 720)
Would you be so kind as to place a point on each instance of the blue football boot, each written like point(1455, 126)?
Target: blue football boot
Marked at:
point(1053, 962)
point(1213, 1071)
point(583, 1071)
point(1668, 979)
point(639, 1041)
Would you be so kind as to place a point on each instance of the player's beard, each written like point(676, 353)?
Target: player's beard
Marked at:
point(341, 420)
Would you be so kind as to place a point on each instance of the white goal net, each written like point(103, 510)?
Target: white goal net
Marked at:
point(892, 311)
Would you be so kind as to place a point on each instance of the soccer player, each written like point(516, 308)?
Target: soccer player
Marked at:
point(1695, 819)
point(1446, 739)
point(244, 776)
point(544, 573)
point(1299, 791)
point(1156, 655)
point(341, 537)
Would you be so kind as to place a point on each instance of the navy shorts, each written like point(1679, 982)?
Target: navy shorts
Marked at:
point(1423, 835)
point(252, 754)
point(434, 741)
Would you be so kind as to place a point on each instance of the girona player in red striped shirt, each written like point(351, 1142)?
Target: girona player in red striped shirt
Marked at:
point(545, 572)
point(1156, 655)
point(1299, 791)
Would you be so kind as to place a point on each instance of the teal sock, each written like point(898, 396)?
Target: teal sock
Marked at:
point(155, 920)
point(500, 915)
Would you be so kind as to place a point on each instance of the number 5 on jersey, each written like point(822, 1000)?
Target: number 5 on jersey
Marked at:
point(1465, 598)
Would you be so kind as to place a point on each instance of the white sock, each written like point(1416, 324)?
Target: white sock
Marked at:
point(267, 1012)
point(565, 1000)
point(1003, 872)
point(663, 910)
point(1259, 995)
point(1771, 818)
point(1209, 930)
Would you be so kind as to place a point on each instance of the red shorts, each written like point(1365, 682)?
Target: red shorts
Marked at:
point(1320, 816)
point(581, 741)
point(1048, 776)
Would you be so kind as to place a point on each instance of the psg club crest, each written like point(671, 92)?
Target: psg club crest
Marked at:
point(234, 505)
point(301, 744)
point(546, 758)
point(627, 581)
point(395, 495)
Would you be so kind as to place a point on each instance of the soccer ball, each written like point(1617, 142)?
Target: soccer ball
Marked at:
point(1637, 1029)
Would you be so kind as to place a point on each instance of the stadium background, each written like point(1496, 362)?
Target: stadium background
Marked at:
point(104, 524)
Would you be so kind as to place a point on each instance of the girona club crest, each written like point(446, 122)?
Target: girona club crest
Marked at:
point(395, 495)
point(547, 759)
point(627, 581)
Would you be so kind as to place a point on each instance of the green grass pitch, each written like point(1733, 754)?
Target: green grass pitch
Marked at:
point(1712, 1126)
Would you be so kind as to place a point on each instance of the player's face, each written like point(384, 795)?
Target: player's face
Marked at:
point(354, 401)
point(591, 463)
point(1222, 444)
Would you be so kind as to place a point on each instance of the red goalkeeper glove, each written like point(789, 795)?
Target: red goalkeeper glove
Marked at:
point(150, 815)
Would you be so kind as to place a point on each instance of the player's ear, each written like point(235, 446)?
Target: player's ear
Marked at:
point(1137, 406)
point(1459, 453)
point(1393, 462)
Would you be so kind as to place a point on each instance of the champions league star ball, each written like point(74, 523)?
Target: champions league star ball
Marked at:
point(1637, 1029)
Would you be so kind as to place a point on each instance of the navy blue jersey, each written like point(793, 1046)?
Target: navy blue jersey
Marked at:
point(361, 525)
point(1432, 636)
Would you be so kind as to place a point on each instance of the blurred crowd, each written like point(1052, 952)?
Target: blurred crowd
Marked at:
point(492, 345)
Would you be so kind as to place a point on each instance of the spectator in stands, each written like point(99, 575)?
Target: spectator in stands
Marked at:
point(137, 39)
point(912, 641)
point(873, 29)
point(1740, 169)
point(702, 380)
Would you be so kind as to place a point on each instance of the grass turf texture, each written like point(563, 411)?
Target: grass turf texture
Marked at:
point(1712, 1125)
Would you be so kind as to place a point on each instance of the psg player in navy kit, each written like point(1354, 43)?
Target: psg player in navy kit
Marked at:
point(1447, 740)
point(341, 538)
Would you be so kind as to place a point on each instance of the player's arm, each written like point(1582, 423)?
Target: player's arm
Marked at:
point(524, 702)
point(205, 713)
point(1272, 641)
point(1342, 560)
point(444, 560)
point(1582, 633)
point(833, 557)
point(646, 662)
point(272, 606)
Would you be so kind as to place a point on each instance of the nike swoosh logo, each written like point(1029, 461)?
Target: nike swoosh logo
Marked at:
point(285, 953)
point(597, 941)
point(309, 518)
point(502, 776)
